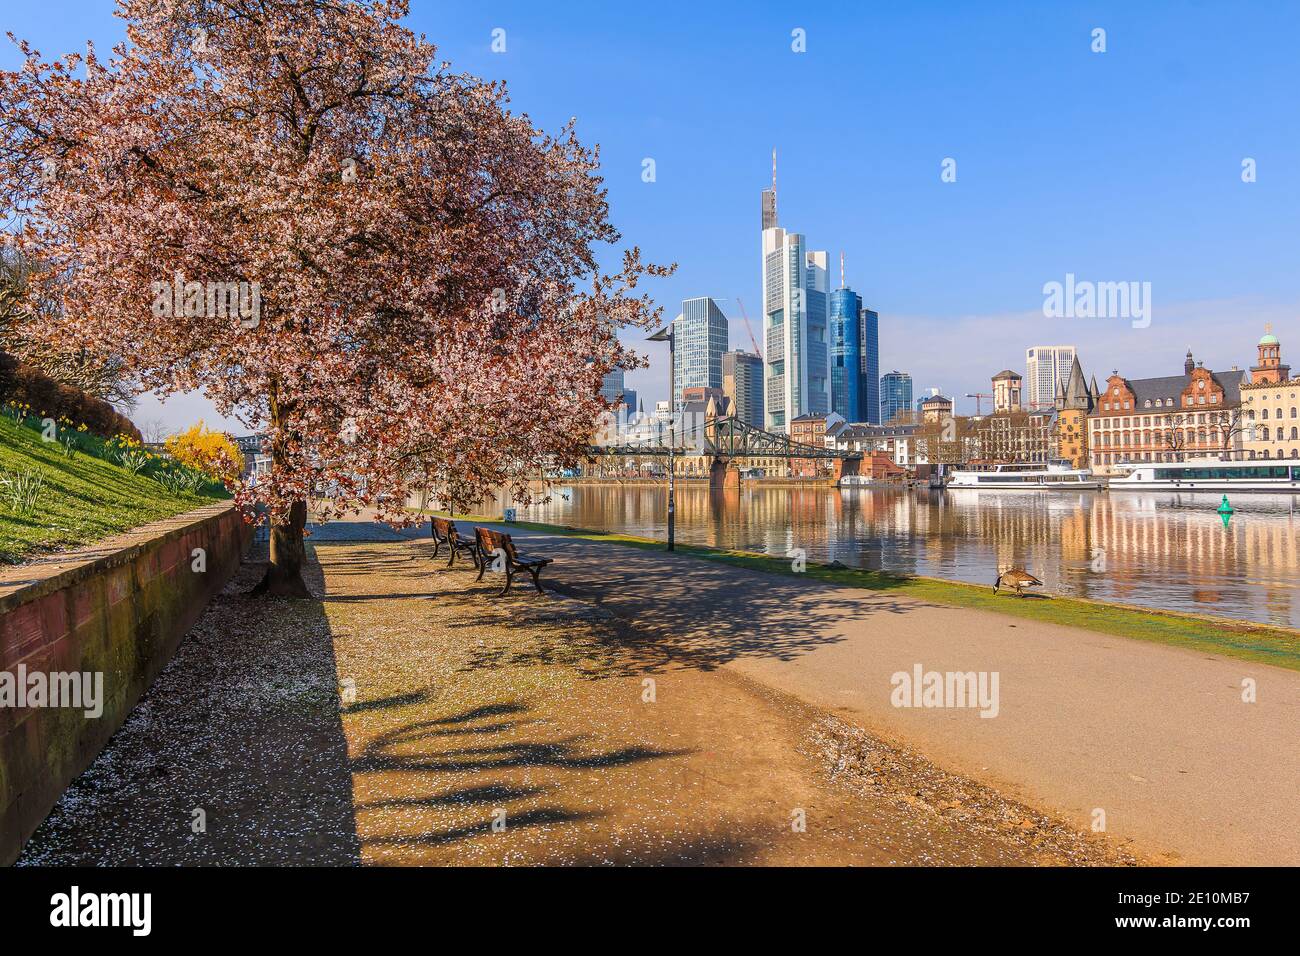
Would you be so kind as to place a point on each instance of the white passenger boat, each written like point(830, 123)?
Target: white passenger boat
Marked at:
point(1054, 476)
point(1210, 475)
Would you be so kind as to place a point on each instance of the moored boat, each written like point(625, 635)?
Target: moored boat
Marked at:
point(1054, 476)
point(1210, 475)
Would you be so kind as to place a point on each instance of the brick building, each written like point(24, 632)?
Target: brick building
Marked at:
point(1173, 418)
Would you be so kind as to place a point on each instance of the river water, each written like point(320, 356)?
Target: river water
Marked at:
point(1156, 549)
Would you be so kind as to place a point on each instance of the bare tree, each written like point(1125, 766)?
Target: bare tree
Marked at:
point(1174, 435)
point(22, 317)
point(155, 431)
point(1226, 425)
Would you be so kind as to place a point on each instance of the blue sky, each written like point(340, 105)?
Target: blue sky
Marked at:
point(1115, 166)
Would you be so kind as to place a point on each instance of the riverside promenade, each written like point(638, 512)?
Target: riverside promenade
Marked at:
point(1157, 738)
point(407, 716)
point(657, 708)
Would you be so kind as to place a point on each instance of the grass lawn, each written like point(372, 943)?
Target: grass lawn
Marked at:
point(1257, 643)
point(85, 497)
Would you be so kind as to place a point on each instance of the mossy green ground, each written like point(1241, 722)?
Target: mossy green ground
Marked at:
point(85, 497)
point(1239, 639)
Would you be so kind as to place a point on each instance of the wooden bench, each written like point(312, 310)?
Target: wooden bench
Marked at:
point(496, 545)
point(444, 531)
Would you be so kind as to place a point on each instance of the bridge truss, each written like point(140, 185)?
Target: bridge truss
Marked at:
point(727, 438)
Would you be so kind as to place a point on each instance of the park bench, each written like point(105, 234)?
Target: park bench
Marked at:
point(444, 532)
point(496, 546)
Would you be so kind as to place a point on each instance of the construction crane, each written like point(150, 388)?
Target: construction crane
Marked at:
point(977, 396)
point(753, 341)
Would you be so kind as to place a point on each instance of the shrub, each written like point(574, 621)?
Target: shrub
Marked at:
point(25, 387)
point(212, 453)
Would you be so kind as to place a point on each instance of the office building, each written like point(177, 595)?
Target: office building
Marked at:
point(869, 409)
point(611, 386)
point(700, 338)
point(742, 383)
point(895, 397)
point(795, 318)
point(1047, 369)
point(846, 362)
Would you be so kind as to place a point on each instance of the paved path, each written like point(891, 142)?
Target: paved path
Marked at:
point(1158, 738)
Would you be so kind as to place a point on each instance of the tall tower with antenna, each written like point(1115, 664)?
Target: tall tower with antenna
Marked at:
point(796, 289)
point(769, 199)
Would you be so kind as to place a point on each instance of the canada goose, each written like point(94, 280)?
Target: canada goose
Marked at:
point(1017, 578)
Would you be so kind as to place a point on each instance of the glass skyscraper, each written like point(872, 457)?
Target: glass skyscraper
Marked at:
point(700, 337)
point(895, 396)
point(742, 382)
point(869, 353)
point(846, 360)
point(611, 386)
point(795, 318)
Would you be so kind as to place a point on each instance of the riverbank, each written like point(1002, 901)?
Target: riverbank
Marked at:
point(406, 716)
point(1133, 735)
point(1242, 640)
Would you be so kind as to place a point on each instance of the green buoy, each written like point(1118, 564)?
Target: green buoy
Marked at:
point(1226, 511)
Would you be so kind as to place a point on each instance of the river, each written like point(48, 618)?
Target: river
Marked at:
point(1156, 549)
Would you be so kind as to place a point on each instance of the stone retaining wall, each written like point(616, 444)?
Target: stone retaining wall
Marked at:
point(118, 610)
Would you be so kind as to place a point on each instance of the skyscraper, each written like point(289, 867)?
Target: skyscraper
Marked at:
point(846, 360)
point(1047, 368)
point(795, 317)
point(611, 386)
point(895, 396)
point(869, 353)
point(742, 382)
point(700, 337)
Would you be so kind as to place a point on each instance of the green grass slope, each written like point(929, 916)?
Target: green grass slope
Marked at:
point(85, 497)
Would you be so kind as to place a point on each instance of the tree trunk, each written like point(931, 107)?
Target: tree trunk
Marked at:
point(284, 574)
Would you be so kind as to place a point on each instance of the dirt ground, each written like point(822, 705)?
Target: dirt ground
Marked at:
point(534, 729)
point(411, 717)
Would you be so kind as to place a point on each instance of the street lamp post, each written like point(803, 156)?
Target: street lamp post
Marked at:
point(666, 335)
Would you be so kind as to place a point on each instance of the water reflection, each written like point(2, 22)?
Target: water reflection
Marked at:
point(1168, 550)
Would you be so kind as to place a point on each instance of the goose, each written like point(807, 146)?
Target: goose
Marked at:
point(1018, 578)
